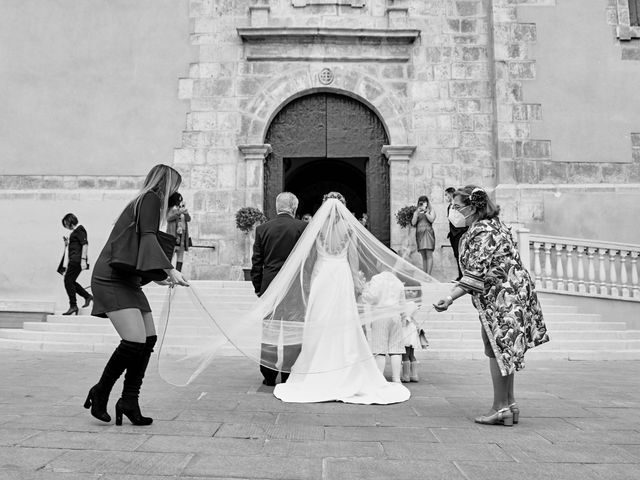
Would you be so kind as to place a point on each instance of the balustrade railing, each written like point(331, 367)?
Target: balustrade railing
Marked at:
point(581, 267)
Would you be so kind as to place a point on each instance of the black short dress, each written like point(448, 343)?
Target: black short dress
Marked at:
point(115, 290)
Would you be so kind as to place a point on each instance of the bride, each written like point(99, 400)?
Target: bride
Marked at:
point(316, 302)
point(336, 367)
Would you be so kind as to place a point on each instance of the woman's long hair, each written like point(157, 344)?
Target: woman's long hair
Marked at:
point(163, 181)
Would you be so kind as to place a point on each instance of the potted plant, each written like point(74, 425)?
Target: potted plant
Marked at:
point(403, 218)
point(246, 219)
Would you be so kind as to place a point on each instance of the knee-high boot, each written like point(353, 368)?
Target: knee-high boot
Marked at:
point(128, 404)
point(125, 353)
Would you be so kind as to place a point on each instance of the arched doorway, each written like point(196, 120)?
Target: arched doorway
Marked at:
point(323, 142)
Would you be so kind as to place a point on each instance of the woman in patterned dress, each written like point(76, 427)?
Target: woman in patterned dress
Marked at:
point(502, 292)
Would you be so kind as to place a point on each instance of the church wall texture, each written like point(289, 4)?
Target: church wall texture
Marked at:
point(501, 93)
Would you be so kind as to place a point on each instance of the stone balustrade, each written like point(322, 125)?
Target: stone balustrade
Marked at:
point(581, 267)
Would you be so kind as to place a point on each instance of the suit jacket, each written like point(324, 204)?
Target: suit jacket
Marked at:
point(274, 241)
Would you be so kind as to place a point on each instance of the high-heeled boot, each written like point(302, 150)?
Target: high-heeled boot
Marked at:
point(73, 310)
point(128, 404)
point(98, 396)
point(406, 368)
point(413, 372)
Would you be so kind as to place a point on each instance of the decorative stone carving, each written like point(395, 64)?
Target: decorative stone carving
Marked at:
point(325, 77)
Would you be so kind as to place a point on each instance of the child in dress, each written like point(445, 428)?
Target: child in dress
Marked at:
point(385, 338)
point(411, 342)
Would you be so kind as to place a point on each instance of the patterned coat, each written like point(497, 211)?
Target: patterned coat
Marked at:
point(503, 292)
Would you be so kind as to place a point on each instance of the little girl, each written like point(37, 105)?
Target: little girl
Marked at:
point(411, 341)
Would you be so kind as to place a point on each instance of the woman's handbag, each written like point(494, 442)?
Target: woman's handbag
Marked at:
point(167, 243)
point(124, 252)
point(422, 336)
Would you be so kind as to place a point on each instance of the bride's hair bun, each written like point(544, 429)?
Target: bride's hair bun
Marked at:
point(336, 195)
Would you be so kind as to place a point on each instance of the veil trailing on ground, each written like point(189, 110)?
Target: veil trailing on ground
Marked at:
point(295, 311)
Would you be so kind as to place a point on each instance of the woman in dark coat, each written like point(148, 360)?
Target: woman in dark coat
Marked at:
point(118, 295)
point(76, 261)
point(503, 293)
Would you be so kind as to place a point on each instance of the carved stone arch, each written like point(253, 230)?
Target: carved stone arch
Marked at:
point(323, 141)
point(350, 82)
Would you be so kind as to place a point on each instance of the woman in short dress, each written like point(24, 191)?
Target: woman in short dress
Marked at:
point(503, 293)
point(423, 218)
point(117, 294)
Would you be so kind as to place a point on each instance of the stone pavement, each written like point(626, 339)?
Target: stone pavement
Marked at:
point(579, 420)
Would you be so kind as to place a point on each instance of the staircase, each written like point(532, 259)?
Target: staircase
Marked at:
point(454, 334)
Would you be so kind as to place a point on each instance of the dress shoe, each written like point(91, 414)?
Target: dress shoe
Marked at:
point(87, 301)
point(515, 411)
point(501, 417)
point(73, 310)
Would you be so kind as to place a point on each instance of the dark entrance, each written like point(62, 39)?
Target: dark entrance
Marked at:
point(323, 142)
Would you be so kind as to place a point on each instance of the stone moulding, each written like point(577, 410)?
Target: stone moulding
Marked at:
point(301, 44)
point(327, 35)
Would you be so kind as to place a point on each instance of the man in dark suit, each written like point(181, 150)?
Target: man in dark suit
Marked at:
point(274, 242)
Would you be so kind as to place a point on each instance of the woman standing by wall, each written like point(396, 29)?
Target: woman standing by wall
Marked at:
point(118, 294)
point(423, 219)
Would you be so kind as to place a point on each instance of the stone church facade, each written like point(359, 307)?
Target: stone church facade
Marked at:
point(424, 94)
point(384, 100)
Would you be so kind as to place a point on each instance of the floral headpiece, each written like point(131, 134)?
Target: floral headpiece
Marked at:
point(336, 195)
point(478, 198)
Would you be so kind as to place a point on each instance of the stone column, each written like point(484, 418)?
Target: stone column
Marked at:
point(254, 156)
point(399, 191)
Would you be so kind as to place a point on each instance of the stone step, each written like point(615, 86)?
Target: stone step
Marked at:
point(451, 335)
point(13, 313)
point(424, 356)
point(471, 332)
point(571, 334)
point(86, 338)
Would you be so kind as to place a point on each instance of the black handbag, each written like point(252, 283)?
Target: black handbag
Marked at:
point(124, 252)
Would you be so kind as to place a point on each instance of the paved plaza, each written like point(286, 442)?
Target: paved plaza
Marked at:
point(579, 420)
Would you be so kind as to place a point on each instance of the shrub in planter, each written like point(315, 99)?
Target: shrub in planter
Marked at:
point(248, 217)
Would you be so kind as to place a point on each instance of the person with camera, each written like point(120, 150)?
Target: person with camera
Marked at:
point(178, 219)
point(423, 218)
point(135, 254)
point(74, 261)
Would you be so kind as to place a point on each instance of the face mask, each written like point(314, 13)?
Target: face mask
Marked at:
point(457, 219)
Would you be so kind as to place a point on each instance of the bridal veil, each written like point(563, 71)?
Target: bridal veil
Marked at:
point(196, 327)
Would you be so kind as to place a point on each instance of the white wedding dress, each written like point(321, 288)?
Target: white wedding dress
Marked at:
point(343, 367)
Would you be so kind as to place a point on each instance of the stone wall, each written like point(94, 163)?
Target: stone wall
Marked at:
point(434, 93)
